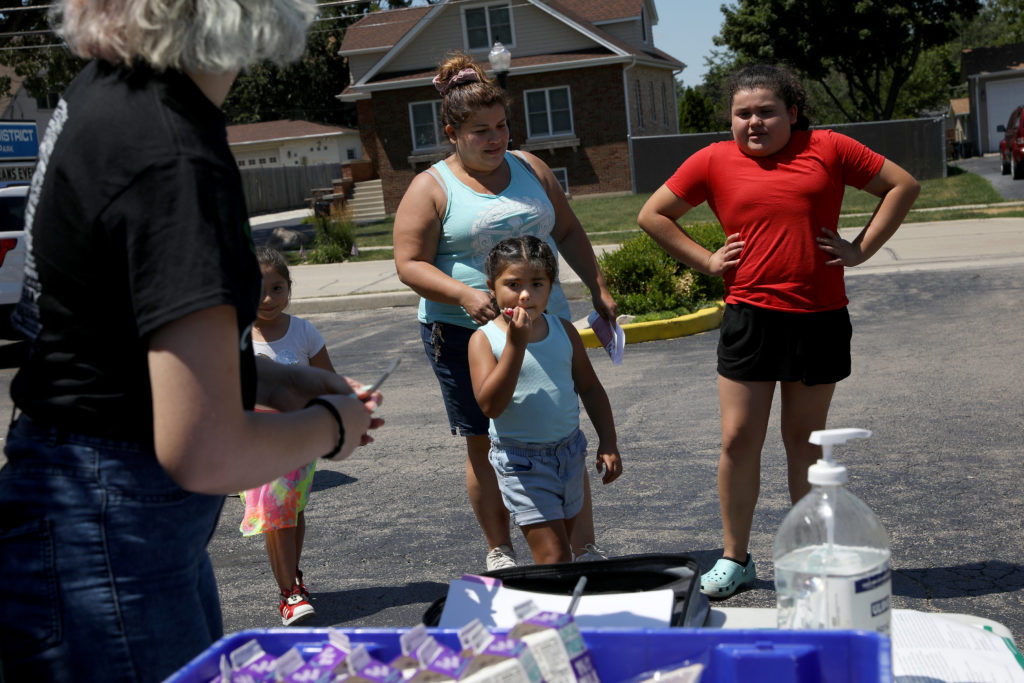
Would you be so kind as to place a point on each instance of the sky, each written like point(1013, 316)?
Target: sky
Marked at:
point(684, 30)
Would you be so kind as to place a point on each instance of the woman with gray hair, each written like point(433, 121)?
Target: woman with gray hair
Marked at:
point(136, 400)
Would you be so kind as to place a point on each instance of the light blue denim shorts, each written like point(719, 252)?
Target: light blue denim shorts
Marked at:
point(540, 482)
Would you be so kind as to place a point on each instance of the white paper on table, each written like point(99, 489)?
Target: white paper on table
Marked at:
point(934, 648)
point(611, 336)
point(486, 599)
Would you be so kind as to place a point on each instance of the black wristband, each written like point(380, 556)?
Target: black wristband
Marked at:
point(337, 418)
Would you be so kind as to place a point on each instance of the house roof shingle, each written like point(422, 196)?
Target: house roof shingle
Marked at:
point(381, 30)
point(281, 130)
point(604, 10)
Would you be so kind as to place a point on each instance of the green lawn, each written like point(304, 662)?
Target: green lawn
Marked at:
point(609, 220)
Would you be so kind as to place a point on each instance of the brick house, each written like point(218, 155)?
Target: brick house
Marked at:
point(585, 77)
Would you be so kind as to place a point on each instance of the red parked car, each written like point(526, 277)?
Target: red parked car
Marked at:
point(1011, 147)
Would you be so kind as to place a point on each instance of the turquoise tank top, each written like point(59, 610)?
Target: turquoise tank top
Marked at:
point(544, 407)
point(474, 222)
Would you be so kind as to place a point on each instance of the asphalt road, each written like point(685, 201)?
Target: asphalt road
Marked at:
point(937, 377)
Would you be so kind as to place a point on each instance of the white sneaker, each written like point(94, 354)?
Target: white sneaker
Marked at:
point(591, 553)
point(501, 557)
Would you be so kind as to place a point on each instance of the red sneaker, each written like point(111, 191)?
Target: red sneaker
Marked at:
point(295, 608)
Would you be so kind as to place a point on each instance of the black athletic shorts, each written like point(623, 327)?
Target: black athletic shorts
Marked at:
point(762, 345)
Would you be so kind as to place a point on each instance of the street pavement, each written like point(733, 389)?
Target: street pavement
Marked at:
point(936, 376)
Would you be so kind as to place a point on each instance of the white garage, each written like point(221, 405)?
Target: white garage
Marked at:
point(993, 96)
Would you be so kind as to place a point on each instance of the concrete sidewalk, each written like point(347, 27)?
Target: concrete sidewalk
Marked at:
point(915, 246)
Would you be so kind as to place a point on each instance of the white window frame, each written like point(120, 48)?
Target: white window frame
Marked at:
point(562, 176)
point(439, 139)
point(510, 43)
point(530, 135)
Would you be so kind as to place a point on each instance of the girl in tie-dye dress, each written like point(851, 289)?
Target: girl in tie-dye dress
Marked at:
point(276, 509)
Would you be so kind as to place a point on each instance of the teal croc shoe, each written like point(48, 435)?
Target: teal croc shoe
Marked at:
point(726, 577)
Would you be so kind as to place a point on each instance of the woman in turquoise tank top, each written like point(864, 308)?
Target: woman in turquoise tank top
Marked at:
point(447, 222)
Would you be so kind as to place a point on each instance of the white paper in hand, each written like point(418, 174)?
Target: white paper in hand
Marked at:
point(611, 336)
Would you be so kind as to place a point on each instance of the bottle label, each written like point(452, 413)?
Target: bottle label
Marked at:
point(861, 603)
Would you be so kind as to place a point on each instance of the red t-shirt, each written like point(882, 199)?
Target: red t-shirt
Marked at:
point(778, 204)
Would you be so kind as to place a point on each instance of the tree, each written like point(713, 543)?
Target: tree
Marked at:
point(860, 54)
point(697, 112)
point(33, 51)
point(306, 89)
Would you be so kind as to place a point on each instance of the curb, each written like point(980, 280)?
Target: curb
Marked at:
point(685, 325)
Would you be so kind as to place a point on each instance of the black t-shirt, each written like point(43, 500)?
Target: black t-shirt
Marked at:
point(136, 218)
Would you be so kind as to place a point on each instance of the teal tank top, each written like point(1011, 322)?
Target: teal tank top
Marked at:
point(474, 222)
point(544, 407)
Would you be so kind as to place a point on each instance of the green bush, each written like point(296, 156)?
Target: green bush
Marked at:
point(333, 241)
point(644, 279)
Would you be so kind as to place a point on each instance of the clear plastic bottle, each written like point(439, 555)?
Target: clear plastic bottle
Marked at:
point(831, 553)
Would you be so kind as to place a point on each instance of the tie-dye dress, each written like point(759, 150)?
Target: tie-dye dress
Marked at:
point(277, 505)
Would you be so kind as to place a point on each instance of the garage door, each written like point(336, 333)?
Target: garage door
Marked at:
point(1003, 97)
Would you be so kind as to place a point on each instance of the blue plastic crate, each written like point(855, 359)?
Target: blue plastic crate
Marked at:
point(618, 654)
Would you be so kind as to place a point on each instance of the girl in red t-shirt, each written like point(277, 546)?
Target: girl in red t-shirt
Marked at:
point(776, 188)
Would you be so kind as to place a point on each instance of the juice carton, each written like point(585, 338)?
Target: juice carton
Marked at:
point(250, 664)
point(326, 664)
point(438, 662)
point(556, 644)
point(363, 668)
point(409, 641)
point(496, 658)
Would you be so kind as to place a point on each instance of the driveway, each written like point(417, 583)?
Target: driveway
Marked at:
point(988, 167)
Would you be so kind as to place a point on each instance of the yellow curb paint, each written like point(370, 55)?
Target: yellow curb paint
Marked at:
point(692, 323)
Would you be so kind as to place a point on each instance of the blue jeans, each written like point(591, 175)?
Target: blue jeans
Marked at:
point(103, 566)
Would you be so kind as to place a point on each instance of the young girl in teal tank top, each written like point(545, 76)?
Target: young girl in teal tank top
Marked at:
point(527, 368)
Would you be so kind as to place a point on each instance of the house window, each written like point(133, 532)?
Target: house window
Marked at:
point(273, 160)
point(548, 112)
point(654, 110)
point(639, 106)
point(425, 119)
point(562, 176)
point(48, 101)
point(350, 153)
point(262, 162)
point(664, 102)
point(252, 162)
point(488, 25)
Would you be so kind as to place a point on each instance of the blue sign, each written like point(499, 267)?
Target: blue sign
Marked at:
point(18, 140)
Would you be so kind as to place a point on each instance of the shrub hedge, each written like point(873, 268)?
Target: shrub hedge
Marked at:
point(644, 279)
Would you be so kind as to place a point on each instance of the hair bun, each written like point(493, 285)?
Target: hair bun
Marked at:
point(466, 75)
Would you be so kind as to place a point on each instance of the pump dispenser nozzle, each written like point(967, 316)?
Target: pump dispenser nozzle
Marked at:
point(826, 471)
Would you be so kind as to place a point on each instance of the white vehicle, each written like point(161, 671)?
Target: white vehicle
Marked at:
point(12, 250)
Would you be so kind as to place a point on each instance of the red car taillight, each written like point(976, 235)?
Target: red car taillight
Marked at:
point(6, 244)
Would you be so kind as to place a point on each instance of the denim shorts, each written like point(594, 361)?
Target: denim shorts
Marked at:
point(540, 482)
point(103, 561)
point(447, 348)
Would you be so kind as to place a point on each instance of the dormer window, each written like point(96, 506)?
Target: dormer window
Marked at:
point(487, 25)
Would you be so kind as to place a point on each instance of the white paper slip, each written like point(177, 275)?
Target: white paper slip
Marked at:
point(486, 599)
point(611, 336)
point(933, 648)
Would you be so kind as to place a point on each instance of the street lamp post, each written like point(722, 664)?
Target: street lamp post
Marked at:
point(500, 59)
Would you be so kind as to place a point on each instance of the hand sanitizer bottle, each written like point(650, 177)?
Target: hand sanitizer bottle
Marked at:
point(831, 553)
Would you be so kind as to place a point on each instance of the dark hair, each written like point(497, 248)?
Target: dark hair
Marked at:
point(777, 79)
point(525, 249)
point(272, 258)
point(460, 100)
